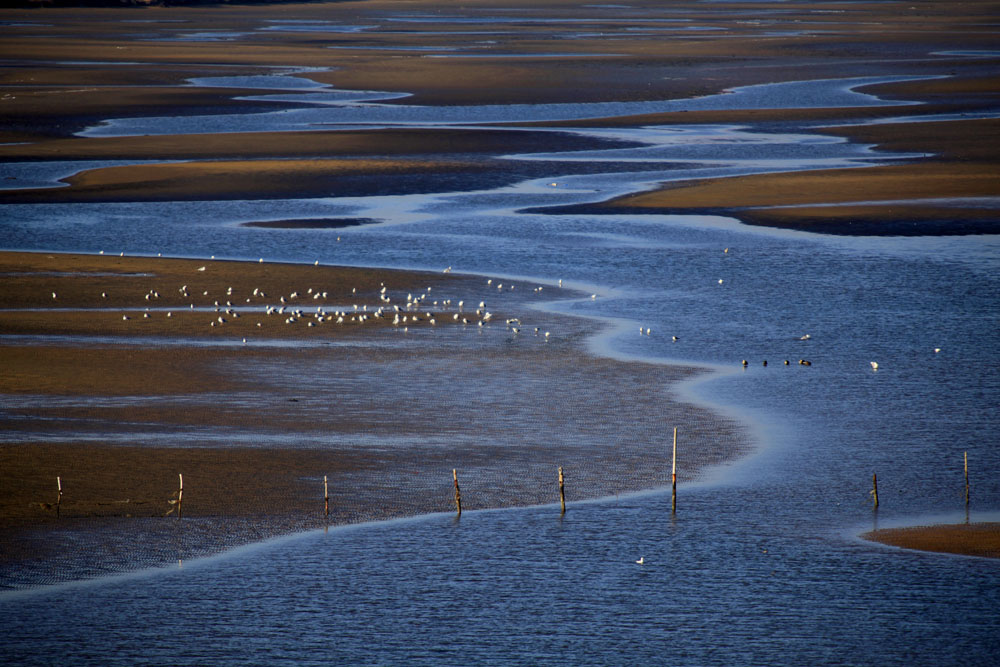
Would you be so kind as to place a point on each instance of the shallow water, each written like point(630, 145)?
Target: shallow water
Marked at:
point(760, 564)
point(796, 94)
point(529, 586)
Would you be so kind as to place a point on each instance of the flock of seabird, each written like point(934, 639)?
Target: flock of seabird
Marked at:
point(419, 309)
point(295, 308)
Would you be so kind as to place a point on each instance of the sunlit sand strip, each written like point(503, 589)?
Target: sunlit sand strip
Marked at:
point(975, 539)
point(255, 428)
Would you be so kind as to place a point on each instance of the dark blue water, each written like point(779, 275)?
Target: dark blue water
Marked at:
point(732, 580)
point(761, 564)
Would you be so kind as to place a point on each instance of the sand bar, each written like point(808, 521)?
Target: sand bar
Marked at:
point(975, 539)
point(117, 408)
point(89, 65)
point(952, 190)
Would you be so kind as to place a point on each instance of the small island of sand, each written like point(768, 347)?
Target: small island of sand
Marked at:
point(969, 539)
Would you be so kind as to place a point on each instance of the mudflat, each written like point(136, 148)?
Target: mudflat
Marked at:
point(257, 380)
point(953, 193)
point(77, 67)
point(969, 539)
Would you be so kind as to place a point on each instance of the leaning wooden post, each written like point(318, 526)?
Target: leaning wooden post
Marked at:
point(673, 475)
point(180, 494)
point(59, 497)
point(875, 489)
point(562, 492)
point(966, 479)
point(458, 495)
point(326, 497)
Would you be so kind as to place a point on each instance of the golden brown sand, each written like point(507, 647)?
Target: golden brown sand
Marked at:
point(911, 193)
point(118, 408)
point(71, 294)
point(45, 100)
point(976, 539)
point(945, 160)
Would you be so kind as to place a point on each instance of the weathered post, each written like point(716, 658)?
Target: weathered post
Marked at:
point(180, 494)
point(59, 497)
point(875, 489)
point(967, 479)
point(673, 476)
point(326, 498)
point(562, 492)
point(458, 495)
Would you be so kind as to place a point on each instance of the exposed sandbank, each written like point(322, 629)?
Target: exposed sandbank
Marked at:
point(976, 539)
point(91, 64)
point(118, 408)
point(907, 198)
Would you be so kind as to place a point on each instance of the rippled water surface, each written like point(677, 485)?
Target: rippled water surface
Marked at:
point(760, 565)
point(721, 584)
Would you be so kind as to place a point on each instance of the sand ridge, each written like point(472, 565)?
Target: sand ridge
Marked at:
point(968, 539)
point(915, 196)
point(531, 56)
point(117, 409)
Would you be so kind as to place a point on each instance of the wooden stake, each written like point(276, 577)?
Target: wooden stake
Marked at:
point(180, 494)
point(59, 497)
point(875, 489)
point(326, 497)
point(562, 492)
point(673, 476)
point(458, 495)
point(966, 479)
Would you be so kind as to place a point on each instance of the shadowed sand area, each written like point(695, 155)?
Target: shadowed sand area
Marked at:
point(976, 539)
point(226, 179)
point(117, 408)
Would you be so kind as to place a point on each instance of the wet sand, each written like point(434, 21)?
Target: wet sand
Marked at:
point(228, 179)
point(953, 193)
point(976, 539)
point(944, 182)
point(118, 408)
